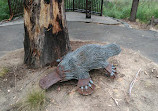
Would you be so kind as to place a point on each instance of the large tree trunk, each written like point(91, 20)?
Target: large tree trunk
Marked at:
point(46, 35)
point(134, 10)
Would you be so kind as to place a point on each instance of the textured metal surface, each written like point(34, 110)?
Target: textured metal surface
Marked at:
point(86, 58)
point(111, 71)
point(85, 87)
point(49, 80)
point(77, 64)
point(87, 91)
point(83, 82)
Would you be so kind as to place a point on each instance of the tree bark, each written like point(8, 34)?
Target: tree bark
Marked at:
point(134, 10)
point(46, 36)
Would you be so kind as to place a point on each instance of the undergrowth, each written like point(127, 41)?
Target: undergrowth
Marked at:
point(4, 10)
point(121, 9)
point(114, 8)
point(3, 71)
point(35, 101)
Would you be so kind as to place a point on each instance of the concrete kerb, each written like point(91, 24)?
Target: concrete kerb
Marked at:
point(74, 17)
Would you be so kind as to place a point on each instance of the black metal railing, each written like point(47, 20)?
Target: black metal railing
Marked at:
point(80, 6)
point(16, 6)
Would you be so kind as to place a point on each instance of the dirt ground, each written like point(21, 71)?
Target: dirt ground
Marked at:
point(139, 25)
point(109, 95)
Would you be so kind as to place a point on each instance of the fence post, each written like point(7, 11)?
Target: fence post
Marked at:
point(88, 9)
point(101, 8)
point(73, 5)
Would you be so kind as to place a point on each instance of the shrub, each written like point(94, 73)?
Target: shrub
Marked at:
point(35, 101)
point(3, 71)
point(121, 9)
point(4, 10)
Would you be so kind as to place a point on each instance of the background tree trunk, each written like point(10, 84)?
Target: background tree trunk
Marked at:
point(134, 10)
point(46, 35)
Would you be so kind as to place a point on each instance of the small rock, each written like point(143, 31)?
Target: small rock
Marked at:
point(58, 89)
point(153, 70)
point(14, 97)
point(115, 64)
point(157, 76)
point(5, 80)
point(8, 90)
point(145, 73)
point(17, 101)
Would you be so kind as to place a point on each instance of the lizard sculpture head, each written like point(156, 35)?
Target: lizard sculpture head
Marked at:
point(113, 49)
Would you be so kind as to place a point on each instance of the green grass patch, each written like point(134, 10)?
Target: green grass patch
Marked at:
point(4, 10)
point(35, 101)
point(146, 10)
point(3, 71)
point(121, 9)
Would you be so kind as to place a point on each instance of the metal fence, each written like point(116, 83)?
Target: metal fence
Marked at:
point(80, 6)
point(16, 6)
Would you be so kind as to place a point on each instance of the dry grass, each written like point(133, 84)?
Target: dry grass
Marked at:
point(35, 101)
point(121, 9)
point(3, 71)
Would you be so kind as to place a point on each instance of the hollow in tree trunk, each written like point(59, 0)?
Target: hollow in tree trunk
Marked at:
point(46, 35)
point(134, 10)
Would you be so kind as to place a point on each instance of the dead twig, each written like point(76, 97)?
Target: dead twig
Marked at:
point(14, 71)
point(133, 82)
point(116, 102)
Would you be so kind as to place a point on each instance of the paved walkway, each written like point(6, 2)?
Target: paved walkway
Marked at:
point(11, 37)
point(75, 17)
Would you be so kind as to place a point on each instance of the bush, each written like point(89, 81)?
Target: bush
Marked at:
point(146, 10)
point(121, 9)
point(4, 10)
point(35, 101)
point(3, 71)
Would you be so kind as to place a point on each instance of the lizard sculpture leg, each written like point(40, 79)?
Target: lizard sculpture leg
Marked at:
point(85, 84)
point(111, 70)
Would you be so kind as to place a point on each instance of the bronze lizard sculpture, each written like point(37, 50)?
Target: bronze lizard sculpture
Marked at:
point(77, 64)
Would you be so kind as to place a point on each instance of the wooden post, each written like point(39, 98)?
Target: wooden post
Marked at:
point(46, 36)
point(73, 5)
point(101, 8)
point(134, 10)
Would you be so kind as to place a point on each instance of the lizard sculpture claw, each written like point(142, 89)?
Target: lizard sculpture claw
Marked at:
point(85, 86)
point(111, 71)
